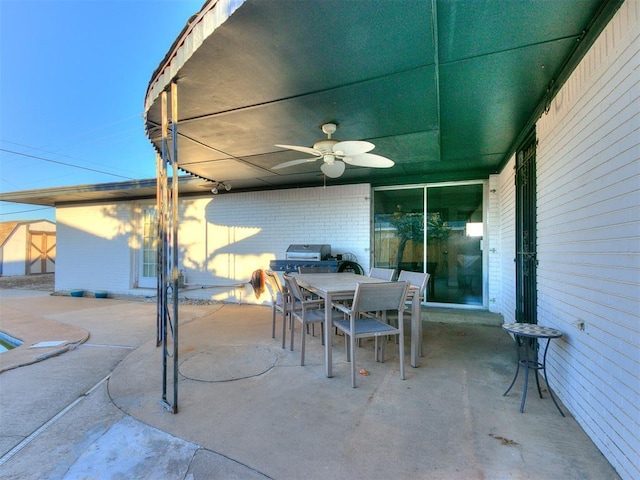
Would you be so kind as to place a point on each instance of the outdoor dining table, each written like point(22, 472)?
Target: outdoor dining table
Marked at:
point(342, 286)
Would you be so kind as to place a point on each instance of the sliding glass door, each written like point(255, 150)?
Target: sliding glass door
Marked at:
point(454, 239)
point(437, 229)
point(399, 229)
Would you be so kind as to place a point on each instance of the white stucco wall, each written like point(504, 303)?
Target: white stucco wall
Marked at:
point(588, 166)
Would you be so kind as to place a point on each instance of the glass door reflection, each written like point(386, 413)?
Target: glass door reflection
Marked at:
point(454, 240)
point(449, 221)
point(399, 229)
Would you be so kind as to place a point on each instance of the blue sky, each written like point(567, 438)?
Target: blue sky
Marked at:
point(73, 75)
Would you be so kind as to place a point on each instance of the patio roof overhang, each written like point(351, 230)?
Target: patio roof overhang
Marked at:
point(447, 89)
point(102, 192)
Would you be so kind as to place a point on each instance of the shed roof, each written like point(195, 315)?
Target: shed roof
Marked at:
point(7, 228)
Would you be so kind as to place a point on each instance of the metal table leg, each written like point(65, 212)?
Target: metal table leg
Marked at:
point(546, 379)
point(530, 362)
point(517, 367)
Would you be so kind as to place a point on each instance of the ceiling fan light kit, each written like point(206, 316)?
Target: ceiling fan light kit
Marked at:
point(334, 169)
point(335, 154)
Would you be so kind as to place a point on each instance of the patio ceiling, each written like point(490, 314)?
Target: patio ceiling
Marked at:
point(446, 89)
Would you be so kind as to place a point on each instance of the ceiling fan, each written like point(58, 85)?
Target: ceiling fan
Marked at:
point(335, 154)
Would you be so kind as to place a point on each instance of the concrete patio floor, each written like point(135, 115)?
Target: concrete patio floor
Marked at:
point(247, 409)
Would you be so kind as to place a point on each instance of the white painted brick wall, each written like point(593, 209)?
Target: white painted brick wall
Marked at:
point(226, 237)
point(503, 273)
point(222, 239)
point(492, 245)
point(94, 247)
point(589, 240)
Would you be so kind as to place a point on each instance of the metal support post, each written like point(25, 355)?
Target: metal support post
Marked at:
point(167, 204)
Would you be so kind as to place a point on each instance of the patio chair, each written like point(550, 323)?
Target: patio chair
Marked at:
point(306, 311)
point(382, 273)
point(312, 269)
point(370, 298)
point(420, 281)
point(279, 304)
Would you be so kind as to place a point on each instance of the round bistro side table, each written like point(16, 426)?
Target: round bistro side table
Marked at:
point(530, 332)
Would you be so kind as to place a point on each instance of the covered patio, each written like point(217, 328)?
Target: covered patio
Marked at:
point(439, 91)
point(249, 400)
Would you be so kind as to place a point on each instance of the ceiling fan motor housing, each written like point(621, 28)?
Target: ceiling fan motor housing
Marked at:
point(325, 146)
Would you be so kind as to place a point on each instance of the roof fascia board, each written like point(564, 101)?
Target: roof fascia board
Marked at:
point(47, 194)
point(199, 27)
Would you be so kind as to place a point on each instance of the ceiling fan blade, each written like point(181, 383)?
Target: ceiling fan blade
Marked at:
point(291, 163)
point(309, 150)
point(333, 170)
point(369, 160)
point(350, 148)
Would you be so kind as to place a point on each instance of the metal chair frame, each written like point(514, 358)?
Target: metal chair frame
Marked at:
point(279, 303)
point(306, 311)
point(382, 273)
point(370, 298)
point(420, 281)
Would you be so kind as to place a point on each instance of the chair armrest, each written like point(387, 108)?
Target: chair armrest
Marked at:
point(342, 308)
point(313, 303)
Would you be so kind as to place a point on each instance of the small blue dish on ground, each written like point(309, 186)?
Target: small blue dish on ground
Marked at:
point(101, 293)
point(77, 293)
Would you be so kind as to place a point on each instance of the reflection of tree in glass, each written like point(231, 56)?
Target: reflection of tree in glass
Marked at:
point(410, 227)
point(437, 229)
point(438, 232)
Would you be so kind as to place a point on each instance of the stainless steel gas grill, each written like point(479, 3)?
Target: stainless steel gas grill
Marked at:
point(305, 256)
point(308, 252)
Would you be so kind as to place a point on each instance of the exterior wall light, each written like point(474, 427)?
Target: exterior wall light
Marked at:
point(220, 185)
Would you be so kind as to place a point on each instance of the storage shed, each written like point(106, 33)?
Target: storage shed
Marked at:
point(27, 247)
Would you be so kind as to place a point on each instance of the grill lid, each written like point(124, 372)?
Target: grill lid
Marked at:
point(307, 252)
